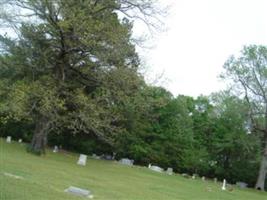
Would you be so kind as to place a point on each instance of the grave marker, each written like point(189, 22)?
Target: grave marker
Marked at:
point(156, 168)
point(79, 192)
point(82, 160)
point(224, 185)
point(126, 161)
point(169, 171)
point(8, 139)
point(242, 185)
point(55, 149)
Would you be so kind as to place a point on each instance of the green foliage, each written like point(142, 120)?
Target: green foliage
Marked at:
point(71, 66)
point(72, 72)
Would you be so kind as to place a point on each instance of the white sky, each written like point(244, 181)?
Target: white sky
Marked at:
point(201, 35)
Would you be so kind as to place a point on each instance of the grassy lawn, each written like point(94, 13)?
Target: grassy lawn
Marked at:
point(46, 177)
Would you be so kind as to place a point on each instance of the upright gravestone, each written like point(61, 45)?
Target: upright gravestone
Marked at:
point(8, 139)
point(55, 149)
point(20, 140)
point(169, 171)
point(107, 157)
point(82, 160)
point(224, 185)
point(215, 180)
point(203, 178)
point(242, 185)
point(149, 166)
point(126, 161)
point(156, 168)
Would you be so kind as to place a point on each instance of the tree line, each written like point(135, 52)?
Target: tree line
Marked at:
point(71, 77)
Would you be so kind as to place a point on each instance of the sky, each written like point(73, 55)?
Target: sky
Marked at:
point(200, 37)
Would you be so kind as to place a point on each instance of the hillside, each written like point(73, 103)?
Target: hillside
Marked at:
point(46, 177)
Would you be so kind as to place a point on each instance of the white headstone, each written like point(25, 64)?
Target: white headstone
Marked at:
point(215, 180)
point(156, 168)
point(20, 140)
point(82, 160)
point(169, 171)
point(8, 139)
point(149, 166)
point(126, 161)
point(55, 149)
point(194, 176)
point(203, 178)
point(78, 191)
point(242, 185)
point(224, 185)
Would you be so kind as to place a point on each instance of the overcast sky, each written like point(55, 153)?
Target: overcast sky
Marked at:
point(201, 35)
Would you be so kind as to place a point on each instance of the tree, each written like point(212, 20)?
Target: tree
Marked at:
point(249, 75)
point(70, 66)
point(232, 144)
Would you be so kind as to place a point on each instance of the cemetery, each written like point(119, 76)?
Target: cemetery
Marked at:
point(59, 176)
point(87, 112)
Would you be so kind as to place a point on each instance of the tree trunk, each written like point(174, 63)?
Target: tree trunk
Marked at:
point(39, 139)
point(262, 173)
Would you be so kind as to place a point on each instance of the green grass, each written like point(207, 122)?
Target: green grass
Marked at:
point(46, 177)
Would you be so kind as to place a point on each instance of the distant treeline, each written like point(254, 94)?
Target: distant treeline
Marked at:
point(209, 136)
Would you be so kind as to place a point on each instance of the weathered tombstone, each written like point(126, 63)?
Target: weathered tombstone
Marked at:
point(79, 192)
point(20, 140)
point(169, 171)
point(8, 139)
point(149, 166)
point(107, 157)
point(203, 178)
point(224, 185)
point(55, 149)
point(126, 161)
point(242, 185)
point(82, 160)
point(156, 168)
point(185, 175)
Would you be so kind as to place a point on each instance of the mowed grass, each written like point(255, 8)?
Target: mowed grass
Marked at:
point(46, 177)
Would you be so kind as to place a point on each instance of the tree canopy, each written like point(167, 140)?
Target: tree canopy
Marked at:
point(69, 76)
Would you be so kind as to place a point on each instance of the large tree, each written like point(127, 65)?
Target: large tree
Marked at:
point(249, 75)
point(71, 64)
